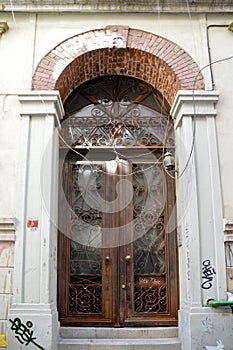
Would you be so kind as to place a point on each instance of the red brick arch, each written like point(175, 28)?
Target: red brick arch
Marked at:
point(118, 50)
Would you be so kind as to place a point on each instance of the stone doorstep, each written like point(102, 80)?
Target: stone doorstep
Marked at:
point(121, 341)
point(85, 338)
point(118, 333)
point(127, 344)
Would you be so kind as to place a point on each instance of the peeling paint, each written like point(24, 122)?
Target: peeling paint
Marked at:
point(3, 246)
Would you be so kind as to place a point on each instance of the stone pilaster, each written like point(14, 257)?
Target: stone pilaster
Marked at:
point(200, 229)
point(34, 297)
point(7, 239)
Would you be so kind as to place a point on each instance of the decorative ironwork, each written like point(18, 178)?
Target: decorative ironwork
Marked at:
point(96, 110)
point(149, 251)
point(131, 131)
point(86, 191)
point(85, 296)
point(85, 259)
point(85, 289)
point(116, 112)
point(149, 196)
point(86, 218)
point(150, 291)
point(150, 298)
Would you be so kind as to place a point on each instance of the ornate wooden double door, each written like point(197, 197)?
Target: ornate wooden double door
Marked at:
point(117, 255)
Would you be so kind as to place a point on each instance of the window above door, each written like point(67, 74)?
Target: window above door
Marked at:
point(116, 111)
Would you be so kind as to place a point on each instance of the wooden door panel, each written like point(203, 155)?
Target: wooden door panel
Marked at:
point(118, 259)
point(85, 286)
point(151, 269)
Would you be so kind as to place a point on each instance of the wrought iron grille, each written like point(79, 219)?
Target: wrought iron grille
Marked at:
point(112, 113)
point(116, 111)
point(150, 292)
point(85, 287)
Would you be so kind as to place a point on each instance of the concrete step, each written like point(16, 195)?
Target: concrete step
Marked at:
point(115, 344)
point(90, 338)
point(118, 333)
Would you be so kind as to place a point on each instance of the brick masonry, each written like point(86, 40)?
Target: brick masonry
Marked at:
point(118, 50)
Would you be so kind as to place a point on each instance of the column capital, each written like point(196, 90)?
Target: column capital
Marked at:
point(41, 103)
point(199, 103)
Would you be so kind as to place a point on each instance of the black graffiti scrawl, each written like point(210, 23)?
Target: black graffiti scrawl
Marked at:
point(208, 273)
point(24, 333)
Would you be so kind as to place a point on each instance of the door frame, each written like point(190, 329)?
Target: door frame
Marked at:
point(120, 309)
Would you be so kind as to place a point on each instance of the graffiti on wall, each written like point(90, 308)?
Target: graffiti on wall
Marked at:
point(3, 342)
point(220, 346)
point(23, 332)
point(208, 273)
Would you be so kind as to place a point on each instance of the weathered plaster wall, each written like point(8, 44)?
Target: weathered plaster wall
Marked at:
point(16, 47)
point(221, 44)
point(7, 229)
point(32, 36)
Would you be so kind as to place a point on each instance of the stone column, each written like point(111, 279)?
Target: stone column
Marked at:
point(200, 220)
point(7, 240)
point(34, 298)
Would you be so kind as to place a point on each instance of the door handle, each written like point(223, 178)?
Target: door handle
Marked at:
point(127, 257)
point(107, 259)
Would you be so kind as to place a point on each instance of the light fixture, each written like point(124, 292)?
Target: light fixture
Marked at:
point(230, 28)
point(169, 161)
point(3, 27)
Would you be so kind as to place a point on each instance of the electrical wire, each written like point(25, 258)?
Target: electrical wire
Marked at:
point(117, 158)
point(194, 110)
point(179, 175)
point(114, 146)
point(12, 12)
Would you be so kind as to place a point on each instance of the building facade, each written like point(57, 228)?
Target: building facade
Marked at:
point(99, 230)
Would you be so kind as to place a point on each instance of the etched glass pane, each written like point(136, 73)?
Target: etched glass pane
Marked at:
point(149, 249)
point(85, 287)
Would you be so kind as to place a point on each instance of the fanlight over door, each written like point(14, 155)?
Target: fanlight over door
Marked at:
point(117, 240)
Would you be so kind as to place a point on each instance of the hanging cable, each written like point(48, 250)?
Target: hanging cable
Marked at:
point(194, 109)
point(12, 12)
point(209, 50)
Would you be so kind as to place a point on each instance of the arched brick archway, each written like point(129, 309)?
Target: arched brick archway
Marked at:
point(118, 50)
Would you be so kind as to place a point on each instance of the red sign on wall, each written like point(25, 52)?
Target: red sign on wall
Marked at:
point(32, 223)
